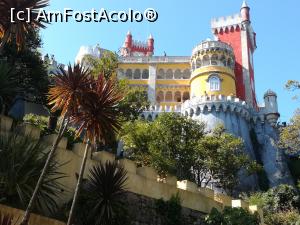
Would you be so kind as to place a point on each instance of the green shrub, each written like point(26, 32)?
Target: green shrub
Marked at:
point(232, 216)
point(41, 122)
point(283, 218)
point(170, 211)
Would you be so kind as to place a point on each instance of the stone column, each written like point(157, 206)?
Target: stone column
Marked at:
point(152, 84)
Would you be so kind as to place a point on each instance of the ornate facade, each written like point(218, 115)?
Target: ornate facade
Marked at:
point(215, 85)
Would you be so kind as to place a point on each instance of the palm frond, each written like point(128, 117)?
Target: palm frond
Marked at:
point(21, 162)
point(16, 31)
point(69, 88)
point(105, 185)
point(98, 114)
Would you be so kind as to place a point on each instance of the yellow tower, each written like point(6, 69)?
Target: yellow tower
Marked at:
point(212, 65)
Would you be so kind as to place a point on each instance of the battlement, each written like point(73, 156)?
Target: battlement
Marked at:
point(226, 21)
point(209, 103)
point(141, 180)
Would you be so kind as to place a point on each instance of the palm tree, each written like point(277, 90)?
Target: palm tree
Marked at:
point(21, 162)
point(97, 118)
point(101, 197)
point(16, 31)
point(65, 96)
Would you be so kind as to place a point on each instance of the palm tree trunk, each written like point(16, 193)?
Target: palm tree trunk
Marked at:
point(79, 182)
point(29, 208)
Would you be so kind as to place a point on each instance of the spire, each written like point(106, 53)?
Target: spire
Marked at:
point(245, 12)
point(150, 36)
point(244, 5)
point(129, 33)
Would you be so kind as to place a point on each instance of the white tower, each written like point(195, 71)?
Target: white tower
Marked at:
point(271, 107)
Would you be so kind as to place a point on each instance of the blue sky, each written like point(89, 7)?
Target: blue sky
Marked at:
point(182, 25)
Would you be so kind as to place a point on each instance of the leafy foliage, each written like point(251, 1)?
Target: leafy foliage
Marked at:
point(135, 101)
point(170, 211)
point(17, 31)
point(21, 162)
point(167, 144)
point(177, 145)
point(106, 65)
point(290, 135)
point(280, 205)
point(28, 72)
point(220, 157)
point(100, 200)
point(283, 218)
point(41, 122)
point(232, 216)
point(293, 85)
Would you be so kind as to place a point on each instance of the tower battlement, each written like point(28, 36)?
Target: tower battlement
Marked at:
point(229, 22)
point(137, 48)
point(202, 104)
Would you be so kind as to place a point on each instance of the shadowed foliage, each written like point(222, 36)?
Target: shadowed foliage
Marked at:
point(8, 85)
point(21, 162)
point(101, 196)
point(5, 219)
point(16, 31)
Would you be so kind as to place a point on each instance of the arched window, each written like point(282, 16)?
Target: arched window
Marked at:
point(177, 74)
point(229, 63)
point(160, 97)
point(169, 74)
point(186, 74)
point(214, 59)
point(161, 74)
point(145, 74)
point(198, 63)
point(205, 60)
point(129, 73)
point(121, 73)
point(169, 96)
point(177, 96)
point(137, 74)
point(223, 60)
point(186, 96)
point(214, 83)
point(193, 65)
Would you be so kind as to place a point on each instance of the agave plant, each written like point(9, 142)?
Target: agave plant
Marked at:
point(16, 31)
point(66, 95)
point(102, 198)
point(21, 162)
point(97, 118)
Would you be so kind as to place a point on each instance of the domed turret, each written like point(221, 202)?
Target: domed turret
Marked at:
point(271, 107)
point(212, 65)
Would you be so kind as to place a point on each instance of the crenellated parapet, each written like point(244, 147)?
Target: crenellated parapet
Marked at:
point(141, 180)
point(201, 104)
point(226, 24)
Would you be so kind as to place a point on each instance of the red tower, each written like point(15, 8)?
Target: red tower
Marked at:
point(137, 48)
point(237, 31)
